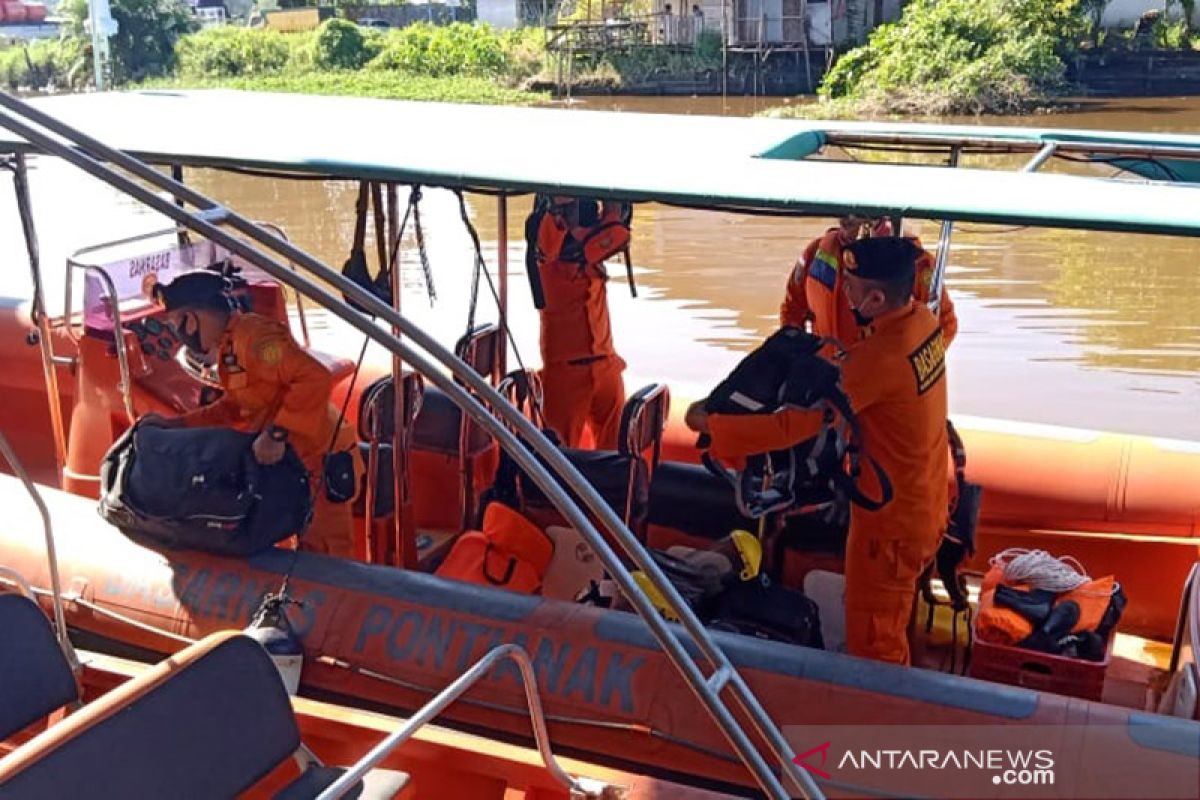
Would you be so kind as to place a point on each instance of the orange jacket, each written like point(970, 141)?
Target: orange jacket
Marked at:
point(575, 320)
point(1002, 625)
point(895, 379)
point(262, 369)
point(814, 291)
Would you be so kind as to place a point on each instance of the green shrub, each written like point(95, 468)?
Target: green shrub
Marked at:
point(1170, 35)
point(526, 51)
point(42, 64)
point(708, 46)
point(961, 56)
point(228, 51)
point(340, 44)
point(438, 50)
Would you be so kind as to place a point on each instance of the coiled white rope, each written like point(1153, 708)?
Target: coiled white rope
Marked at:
point(1039, 569)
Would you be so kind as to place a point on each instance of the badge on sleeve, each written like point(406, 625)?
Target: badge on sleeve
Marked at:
point(269, 352)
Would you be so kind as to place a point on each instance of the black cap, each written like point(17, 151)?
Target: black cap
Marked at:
point(195, 290)
point(881, 258)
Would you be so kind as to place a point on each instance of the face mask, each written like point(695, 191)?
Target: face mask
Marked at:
point(190, 338)
point(861, 319)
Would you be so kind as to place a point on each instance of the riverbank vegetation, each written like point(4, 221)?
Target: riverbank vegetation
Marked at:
point(942, 57)
point(969, 57)
point(458, 62)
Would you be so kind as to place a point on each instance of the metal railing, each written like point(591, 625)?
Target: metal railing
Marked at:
point(60, 621)
point(12, 577)
point(125, 386)
point(475, 394)
point(439, 704)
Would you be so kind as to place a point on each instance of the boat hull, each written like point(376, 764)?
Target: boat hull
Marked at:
point(387, 637)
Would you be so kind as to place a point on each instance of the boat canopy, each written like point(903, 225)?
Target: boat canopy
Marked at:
point(764, 165)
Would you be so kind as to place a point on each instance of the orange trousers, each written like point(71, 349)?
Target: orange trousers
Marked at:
point(579, 396)
point(881, 586)
point(331, 530)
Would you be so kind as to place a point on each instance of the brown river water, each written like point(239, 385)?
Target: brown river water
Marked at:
point(1056, 326)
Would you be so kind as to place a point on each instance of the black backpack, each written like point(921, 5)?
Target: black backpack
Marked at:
point(787, 370)
point(201, 489)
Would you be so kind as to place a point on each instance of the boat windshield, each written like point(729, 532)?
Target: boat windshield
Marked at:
point(119, 276)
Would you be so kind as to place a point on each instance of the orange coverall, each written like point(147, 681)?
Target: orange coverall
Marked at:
point(262, 368)
point(814, 290)
point(895, 379)
point(581, 372)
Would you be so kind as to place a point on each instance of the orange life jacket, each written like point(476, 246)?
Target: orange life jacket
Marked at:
point(510, 552)
point(814, 291)
point(1001, 625)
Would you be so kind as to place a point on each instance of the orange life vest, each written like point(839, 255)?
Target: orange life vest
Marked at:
point(814, 291)
point(510, 552)
point(1001, 625)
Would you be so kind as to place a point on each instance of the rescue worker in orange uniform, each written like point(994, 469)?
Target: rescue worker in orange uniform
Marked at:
point(894, 376)
point(581, 371)
point(270, 385)
point(814, 289)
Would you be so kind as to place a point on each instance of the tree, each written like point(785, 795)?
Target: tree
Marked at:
point(144, 46)
point(1094, 9)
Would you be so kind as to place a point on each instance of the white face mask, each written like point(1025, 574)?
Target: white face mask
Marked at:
point(861, 318)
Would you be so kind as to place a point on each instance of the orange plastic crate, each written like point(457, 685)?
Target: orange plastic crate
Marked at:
point(1017, 666)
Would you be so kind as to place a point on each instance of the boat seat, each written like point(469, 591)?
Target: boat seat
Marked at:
point(609, 473)
point(690, 499)
point(210, 721)
point(622, 477)
point(378, 783)
point(384, 489)
point(436, 426)
point(35, 678)
point(377, 432)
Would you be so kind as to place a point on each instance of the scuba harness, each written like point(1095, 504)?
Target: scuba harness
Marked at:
point(370, 197)
point(787, 371)
point(603, 241)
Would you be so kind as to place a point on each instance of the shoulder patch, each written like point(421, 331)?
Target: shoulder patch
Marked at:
point(929, 361)
point(269, 352)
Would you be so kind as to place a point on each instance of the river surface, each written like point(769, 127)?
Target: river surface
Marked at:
point(1056, 326)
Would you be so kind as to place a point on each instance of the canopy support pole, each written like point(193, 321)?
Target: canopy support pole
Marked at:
point(37, 312)
point(943, 252)
point(1042, 157)
point(405, 541)
point(501, 368)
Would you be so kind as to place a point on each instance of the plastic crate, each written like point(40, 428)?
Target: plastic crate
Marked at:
point(1017, 666)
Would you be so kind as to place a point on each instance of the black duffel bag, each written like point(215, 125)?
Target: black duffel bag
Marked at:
point(768, 610)
point(202, 489)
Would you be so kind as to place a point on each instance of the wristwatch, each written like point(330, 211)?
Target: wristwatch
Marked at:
point(277, 433)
